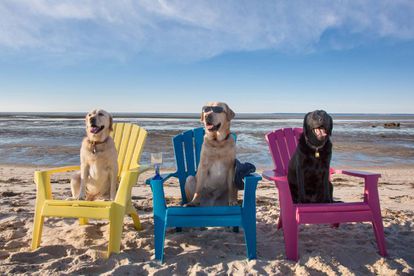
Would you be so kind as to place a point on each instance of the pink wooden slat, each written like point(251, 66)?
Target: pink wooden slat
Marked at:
point(333, 207)
point(283, 150)
point(290, 140)
point(273, 147)
point(298, 133)
point(334, 217)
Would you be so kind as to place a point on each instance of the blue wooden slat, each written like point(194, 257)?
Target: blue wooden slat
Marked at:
point(189, 151)
point(204, 221)
point(179, 153)
point(179, 159)
point(198, 143)
point(205, 211)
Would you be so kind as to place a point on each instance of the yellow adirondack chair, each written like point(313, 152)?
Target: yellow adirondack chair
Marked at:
point(129, 141)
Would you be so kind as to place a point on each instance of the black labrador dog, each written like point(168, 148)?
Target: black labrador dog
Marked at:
point(308, 173)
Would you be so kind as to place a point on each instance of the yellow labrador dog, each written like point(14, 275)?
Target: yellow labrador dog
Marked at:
point(213, 184)
point(97, 178)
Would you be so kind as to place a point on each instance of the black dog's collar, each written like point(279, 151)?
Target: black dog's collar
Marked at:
point(316, 149)
point(94, 144)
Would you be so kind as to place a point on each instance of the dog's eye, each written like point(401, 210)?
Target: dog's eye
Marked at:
point(100, 114)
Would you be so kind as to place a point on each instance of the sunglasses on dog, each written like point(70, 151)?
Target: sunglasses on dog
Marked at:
point(215, 109)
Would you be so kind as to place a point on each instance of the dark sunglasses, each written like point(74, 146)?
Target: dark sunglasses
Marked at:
point(215, 109)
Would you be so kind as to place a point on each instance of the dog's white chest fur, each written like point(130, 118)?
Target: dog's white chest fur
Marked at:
point(218, 172)
point(93, 171)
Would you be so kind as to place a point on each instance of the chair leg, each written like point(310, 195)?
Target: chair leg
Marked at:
point(83, 221)
point(134, 215)
point(379, 235)
point(291, 235)
point(37, 231)
point(159, 238)
point(250, 238)
point(116, 220)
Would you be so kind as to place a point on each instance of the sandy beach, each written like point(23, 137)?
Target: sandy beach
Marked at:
point(68, 248)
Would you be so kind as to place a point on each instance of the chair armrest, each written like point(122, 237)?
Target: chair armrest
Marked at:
point(128, 180)
point(371, 185)
point(252, 178)
point(358, 173)
point(140, 169)
point(60, 169)
point(42, 180)
point(272, 175)
point(164, 177)
point(282, 185)
point(250, 184)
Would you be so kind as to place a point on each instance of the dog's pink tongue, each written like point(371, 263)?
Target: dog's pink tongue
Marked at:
point(94, 129)
point(209, 126)
point(320, 132)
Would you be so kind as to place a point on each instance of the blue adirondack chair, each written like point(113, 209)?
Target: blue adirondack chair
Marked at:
point(187, 149)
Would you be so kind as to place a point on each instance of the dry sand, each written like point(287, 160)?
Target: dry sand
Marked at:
point(68, 248)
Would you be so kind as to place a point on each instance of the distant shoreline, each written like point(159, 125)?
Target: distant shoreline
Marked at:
point(81, 115)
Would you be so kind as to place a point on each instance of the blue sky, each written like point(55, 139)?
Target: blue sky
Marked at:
point(173, 56)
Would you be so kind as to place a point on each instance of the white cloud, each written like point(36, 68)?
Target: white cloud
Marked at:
point(193, 30)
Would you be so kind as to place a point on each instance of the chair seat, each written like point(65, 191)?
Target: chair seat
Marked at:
point(79, 203)
point(76, 209)
point(204, 211)
point(332, 207)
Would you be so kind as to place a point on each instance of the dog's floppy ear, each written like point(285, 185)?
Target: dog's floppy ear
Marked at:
point(230, 113)
point(202, 116)
point(86, 118)
point(305, 122)
point(330, 125)
point(111, 123)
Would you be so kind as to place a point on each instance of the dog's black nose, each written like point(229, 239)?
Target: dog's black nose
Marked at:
point(92, 121)
point(209, 119)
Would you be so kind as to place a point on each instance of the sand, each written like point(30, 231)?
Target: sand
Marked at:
point(68, 248)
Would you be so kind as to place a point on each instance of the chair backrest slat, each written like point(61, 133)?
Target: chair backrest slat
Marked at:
point(129, 143)
point(117, 134)
point(136, 155)
point(198, 143)
point(290, 141)
point(283, 149)
point(188, 140)
point(282, 144)
point(273, 147)
point(126, 134)
point(298, 132)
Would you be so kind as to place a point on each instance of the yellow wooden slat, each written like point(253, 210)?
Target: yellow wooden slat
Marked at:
point(131, 147)
point(75, 212)
point(124, 147)
point(138, 149)
point(118, 132)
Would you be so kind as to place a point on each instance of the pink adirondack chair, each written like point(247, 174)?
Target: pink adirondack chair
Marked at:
point(282, 144)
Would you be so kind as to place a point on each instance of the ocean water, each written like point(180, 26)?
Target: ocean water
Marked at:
point(54, 139)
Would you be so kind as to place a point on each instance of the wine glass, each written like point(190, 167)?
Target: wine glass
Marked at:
point(156, 160)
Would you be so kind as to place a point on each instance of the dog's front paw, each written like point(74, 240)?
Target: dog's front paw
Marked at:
point(233, 203)
point(81, 196)
point(192, 204)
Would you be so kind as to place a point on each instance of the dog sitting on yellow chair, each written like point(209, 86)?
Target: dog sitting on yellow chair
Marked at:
point(213, 184)
point(97, 179)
